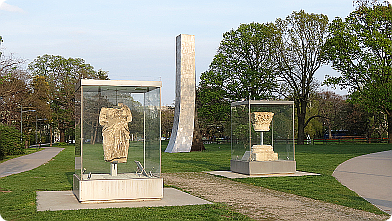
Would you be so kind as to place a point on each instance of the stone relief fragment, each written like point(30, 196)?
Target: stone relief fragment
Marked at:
point(261, 120)
point(115, 132)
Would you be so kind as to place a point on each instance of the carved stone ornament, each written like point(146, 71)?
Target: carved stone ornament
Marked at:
point(261, 120)
point(115, 132)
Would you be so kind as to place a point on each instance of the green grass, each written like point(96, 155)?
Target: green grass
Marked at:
point(20, 204)
point(323, 159)
point(18, 198)
point(216, 157)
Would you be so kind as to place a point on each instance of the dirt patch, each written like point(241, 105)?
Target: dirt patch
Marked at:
point(260, 203)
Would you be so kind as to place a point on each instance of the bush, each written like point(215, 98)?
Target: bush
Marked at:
point(9, 141)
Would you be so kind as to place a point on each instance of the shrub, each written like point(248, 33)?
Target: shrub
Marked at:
point(9, 141)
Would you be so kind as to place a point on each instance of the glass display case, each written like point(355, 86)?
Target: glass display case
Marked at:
point(117, 140)
point(262, 137)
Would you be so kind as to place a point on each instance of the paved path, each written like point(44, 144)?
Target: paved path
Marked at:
point(370, 176)
point(28, 162)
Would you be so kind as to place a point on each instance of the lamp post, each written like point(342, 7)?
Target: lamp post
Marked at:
point(36, 131)
point(21, 122)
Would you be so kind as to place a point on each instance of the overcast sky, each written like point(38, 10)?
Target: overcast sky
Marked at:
point(135, 40)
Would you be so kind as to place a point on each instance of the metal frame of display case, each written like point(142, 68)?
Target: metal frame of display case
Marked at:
point(142, 185)
point(244, 164)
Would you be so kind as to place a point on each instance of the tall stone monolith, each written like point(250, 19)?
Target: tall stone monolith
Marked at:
point(184, 112)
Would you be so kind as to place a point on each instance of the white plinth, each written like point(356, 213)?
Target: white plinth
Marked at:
point(124, 188)
point(263, 153)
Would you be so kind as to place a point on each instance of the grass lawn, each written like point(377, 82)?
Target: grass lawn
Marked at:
point(322, 159)
point(17, 192)
point(18, 198)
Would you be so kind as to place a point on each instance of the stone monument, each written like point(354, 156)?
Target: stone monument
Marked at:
point(115, 132)
point(184, 112)
point(261, 122)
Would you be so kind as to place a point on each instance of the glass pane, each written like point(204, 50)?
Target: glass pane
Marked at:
point(240, 146)
point(136, 113)
point(153, 132)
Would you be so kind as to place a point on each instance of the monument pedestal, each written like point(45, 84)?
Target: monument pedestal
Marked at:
point(263, 153)
point(262, 167)
point(125, 187)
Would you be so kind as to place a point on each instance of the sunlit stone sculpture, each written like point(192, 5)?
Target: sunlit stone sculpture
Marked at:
point(115, 132)
point(261, 122)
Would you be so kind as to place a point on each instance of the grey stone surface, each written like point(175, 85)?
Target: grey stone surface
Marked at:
point(28, 162)
point(66, 200)
point(262, 167)
point(184, 112)
point(370, 176)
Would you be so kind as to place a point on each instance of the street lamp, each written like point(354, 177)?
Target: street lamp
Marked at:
point(36, 131)
point(21, 121)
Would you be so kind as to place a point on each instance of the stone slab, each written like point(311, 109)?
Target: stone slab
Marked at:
point(233, 175)
point(370, 176)
point(66, 200)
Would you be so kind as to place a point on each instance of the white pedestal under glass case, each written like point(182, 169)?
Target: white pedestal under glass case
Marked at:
point(118, 145)
point(262, 137)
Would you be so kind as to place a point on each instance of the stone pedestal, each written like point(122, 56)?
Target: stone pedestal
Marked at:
point(102, 188)
point(262, 167)
point(263, 153)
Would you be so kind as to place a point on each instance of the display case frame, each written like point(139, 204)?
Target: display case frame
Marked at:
point(262, 137)
point(117, 140)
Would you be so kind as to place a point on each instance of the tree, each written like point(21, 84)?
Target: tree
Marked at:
point(13, 89)
point(62, 74)
point(241, 69)
point(297, 56)
point(360, 48)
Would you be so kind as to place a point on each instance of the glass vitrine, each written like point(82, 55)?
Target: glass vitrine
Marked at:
point(118, 145)
point(262, 137)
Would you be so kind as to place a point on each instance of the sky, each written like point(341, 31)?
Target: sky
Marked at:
point(135, 40)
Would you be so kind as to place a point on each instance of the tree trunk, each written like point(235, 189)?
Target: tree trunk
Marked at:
point(51, 136)
point(301, 112)
point(62, 135)
point(389, 119)
point(197, 142)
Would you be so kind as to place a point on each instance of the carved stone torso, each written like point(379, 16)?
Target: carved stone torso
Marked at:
point(115, 132)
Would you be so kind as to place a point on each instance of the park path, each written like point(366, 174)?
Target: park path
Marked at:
point(370, 176)
point(28, 162)
point(260, 203)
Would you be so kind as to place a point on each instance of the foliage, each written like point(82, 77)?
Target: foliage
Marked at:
point(241, 69)
point(297, 55)
point(360, 47)
point(61, 75)
point(9, 141)
point(167, 118)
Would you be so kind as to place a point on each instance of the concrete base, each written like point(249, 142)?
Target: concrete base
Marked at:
point(262, 167)
point(66, 200)
point(232, 175)
point(117, 189)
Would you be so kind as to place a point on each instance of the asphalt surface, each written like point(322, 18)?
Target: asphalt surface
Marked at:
point(370, 176)
point(28, 162)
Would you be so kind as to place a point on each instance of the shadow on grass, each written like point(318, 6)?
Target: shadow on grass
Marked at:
point(69, 176)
